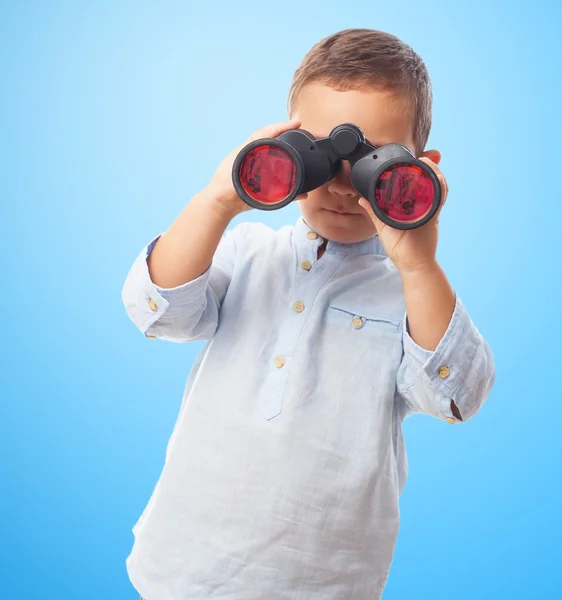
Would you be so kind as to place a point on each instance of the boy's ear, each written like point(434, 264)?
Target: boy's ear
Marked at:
point(433, 155)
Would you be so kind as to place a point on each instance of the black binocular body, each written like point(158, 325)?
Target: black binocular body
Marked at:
point(404, 192)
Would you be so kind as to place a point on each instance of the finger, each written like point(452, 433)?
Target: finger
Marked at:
point(366, 206)
point(437, 172)
point(271, 131)
point(444, 193)
point(433, 165)
point(442, 181)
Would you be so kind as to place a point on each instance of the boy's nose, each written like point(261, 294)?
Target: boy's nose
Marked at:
point(341, 183)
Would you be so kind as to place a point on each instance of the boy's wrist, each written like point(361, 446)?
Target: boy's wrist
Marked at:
point(222, 208)
point(423, 270)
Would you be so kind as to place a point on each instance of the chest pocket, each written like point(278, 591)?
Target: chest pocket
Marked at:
point(362, 321)
point(365, 335)
point(366, 350)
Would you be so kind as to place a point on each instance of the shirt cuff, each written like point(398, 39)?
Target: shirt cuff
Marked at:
point(446, 367)
point(182, 300)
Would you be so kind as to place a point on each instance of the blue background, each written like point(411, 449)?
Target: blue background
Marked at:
point(112, 115)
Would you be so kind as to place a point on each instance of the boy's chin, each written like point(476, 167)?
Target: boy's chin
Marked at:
point(347, 232)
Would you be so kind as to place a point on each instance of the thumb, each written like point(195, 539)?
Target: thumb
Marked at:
point(366, 205)
point(380, 226)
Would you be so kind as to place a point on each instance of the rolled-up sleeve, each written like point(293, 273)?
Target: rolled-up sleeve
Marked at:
point(461, 369)
point(189, 312)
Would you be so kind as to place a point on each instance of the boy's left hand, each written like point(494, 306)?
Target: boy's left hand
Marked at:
point(414, 249)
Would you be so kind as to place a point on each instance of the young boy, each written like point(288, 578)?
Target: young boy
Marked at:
point(285, 467)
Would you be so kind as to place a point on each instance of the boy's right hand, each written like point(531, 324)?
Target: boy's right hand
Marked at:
point(221, 189)
point(186, 250)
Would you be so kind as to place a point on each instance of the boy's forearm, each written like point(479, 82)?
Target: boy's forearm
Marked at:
point(430, 303)
point(185, 251)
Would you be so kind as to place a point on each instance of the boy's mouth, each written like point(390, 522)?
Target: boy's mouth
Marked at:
point(344, 213)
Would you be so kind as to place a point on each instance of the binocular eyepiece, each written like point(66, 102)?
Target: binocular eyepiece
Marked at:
point(270, 173)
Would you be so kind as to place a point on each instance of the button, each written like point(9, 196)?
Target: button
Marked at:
point(450, 420)
point(152, 304)
point(279, 362)
point(444, 372)
point(150, 337)
point(306, 265)
point(357, 322)
point(311, 235)
point(298, 306)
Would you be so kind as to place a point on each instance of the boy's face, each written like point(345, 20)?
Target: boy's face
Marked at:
point(332, 210)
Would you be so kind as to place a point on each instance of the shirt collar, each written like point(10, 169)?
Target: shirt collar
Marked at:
point(305, 235)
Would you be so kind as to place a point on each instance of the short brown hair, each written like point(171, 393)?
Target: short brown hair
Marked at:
point(353, 58)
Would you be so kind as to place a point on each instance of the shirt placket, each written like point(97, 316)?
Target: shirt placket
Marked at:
point(312, 275)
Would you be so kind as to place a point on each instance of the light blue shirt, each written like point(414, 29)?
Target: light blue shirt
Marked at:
point(284, 470)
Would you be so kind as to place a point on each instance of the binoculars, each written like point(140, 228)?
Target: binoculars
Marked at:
point(403, 191)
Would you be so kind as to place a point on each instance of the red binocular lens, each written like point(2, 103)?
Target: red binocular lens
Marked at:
point(404, 193)
point(268, 174)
